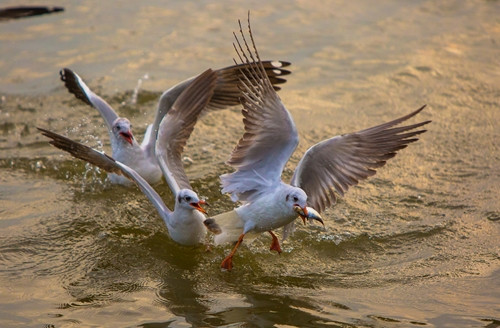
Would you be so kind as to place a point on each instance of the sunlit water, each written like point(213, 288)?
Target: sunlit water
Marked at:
point(415, 246)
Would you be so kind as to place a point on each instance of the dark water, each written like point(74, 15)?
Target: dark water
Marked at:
point(415, 246)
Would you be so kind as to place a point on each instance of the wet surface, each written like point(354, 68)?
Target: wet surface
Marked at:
point(415, 246)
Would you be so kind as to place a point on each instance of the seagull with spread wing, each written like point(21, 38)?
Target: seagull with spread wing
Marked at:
point(142, 157)
point(186, 224)
point(269, 140)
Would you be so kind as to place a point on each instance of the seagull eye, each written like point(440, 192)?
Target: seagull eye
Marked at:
point(187, 198)
point(295, 199)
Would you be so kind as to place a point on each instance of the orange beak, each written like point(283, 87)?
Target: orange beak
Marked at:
point(198, 206)
point(128, 136)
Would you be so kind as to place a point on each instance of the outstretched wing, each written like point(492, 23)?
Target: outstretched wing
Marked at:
point(83, 152)
point(226, 92)
point(342, 161)
point(108, 164)
point(270, 134)
point(177, 125)
point(80, 90)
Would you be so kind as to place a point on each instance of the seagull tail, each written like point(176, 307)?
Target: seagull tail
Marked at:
point(231, 226)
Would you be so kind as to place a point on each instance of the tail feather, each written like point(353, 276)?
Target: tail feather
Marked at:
point(231, 226)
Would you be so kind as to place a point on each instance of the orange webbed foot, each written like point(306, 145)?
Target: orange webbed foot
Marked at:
point(227, 263)
point(275, 244)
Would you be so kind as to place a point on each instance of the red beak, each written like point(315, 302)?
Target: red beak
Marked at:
point(128, 136)
point(198, 207)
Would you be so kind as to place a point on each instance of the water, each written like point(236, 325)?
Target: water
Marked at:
point(415, 246)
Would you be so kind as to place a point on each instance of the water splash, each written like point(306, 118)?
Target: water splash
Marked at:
point(133, 100)
point(91, 178)
point(38, 166)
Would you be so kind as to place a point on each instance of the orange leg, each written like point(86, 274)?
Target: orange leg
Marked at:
point(275, 244)
point(227, 263)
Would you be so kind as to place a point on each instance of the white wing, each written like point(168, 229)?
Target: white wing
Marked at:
point(108, 164)
point(270, 134)
point(80, 90)
point(226, 92)
point(177, 125)
point(340, 162)
point(146, 188)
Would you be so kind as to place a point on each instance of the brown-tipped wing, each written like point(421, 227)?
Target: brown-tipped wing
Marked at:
point(108, 164)
point(83, 152)
point(226, 92)
point(80, 90)
point(270, 134)
point(177, 126)
point(342, 161)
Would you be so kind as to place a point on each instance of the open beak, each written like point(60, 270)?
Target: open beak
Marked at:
point(308, 213)
point(128, 136)
point(301, 211)
point(198, 206)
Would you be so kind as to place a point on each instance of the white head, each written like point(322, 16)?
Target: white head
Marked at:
point(296, 199)
point(122, 130)
point(188, 199)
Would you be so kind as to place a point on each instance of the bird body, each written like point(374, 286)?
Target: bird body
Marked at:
point(142, 157)
point(268, 212)
point(137, 157)
point(185, 223)
point(270, 139)
point(186, 226)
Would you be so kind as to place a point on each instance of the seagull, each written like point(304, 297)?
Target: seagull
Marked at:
point(186, 224)
point(142, 157)
point(269, 140)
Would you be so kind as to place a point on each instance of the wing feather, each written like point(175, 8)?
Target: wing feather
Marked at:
point(82, 152)
point(80, 90)
point(108, 164)
point(177, 126)
point(270, 135)
point(226, 92)
point(343, 161)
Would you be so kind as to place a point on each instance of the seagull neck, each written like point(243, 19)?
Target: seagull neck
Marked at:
point(123, 150)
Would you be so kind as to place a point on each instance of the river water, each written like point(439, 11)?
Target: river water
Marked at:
point(415, 246)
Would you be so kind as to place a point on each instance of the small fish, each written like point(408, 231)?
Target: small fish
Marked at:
point(309, 213)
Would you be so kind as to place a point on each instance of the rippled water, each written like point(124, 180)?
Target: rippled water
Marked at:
point(415, 246)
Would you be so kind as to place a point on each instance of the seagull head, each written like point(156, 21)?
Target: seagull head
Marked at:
point(188, 199)
point(296, 198)
point(123, 129)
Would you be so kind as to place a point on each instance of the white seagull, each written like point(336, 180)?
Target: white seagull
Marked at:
point(142, 158)
point(269, 140)
point(186, 225)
